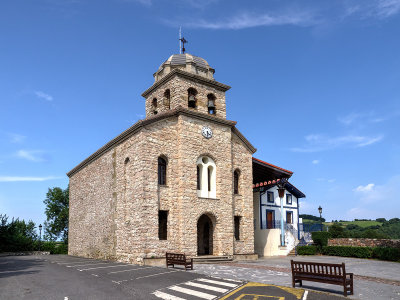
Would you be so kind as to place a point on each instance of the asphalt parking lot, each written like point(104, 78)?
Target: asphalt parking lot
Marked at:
point(66, 277)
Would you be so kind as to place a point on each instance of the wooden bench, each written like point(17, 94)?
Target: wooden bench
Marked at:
point(173, 259)
point(322, 272)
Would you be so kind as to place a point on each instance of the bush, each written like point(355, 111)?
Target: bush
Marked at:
point(306, 250)
point(337, 231)
point(348, 251)
point(386, 253)
point(320, 238)
point(54, 247)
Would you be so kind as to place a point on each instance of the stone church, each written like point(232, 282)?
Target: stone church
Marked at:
point(180, 180)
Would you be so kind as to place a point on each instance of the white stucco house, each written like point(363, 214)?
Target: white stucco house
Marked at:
point(268, 215)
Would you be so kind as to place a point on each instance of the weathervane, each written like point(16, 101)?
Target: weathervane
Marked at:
point(182, 42)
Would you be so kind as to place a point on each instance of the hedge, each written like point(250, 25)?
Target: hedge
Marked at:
point(348, 251)
point(386, 253)
point(54, 247)
point(320, 238)
point(306, 250)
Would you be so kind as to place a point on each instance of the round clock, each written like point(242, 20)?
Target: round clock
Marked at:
point(207, 132)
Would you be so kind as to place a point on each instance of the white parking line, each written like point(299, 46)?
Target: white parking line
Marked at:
point(192, 292)
point(206, 287)
point(130, 270)
point(157, 274)
point(66, 263)
point(72, 266)
point(217, 282)
point(121, 265)
point(305, 295)
point(166, 296)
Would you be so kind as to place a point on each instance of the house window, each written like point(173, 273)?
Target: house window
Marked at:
point(162, 171)
point(289, 217)
point(288, 199)
point(154, 103)
point(192, 102)
point(237, 227)
point(236, 182)
point(162, 224)
point(206, 177)
point(211, 104)
point(270, 197)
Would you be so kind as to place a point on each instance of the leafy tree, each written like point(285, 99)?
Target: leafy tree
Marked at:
point(57, 212)
point(17, 235)
point(311, 217)
point(381, 220)
point(337, 231)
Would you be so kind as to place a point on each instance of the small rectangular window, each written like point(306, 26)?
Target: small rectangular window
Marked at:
point(270, 197)
point(237, 228)
point(162, 224)
point(289, 217)
point(288, 199)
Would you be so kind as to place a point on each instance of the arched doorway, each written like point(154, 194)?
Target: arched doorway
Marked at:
point(205, 232)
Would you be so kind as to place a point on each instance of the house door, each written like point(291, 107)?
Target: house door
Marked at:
point(270, 219)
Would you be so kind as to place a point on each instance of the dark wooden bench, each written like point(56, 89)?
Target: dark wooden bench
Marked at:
point(173, 259)
point(322, 272)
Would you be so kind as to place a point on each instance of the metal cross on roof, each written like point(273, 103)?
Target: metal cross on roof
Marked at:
point(183, 41)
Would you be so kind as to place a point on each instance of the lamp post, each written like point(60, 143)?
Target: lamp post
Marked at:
point(40, 235)
point(281, 191)
point(320, 215)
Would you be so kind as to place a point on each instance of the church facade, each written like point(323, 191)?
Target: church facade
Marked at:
point(180, 180)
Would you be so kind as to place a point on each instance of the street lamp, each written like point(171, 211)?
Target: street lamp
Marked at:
point(320, 215)
point(40, 234)
point(281, 191)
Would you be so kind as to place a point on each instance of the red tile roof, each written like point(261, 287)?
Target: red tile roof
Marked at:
point(261, 161)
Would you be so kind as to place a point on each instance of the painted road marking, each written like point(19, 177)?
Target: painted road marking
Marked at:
point(192, 292)
point(156, 274)
point(86, 265)
point(305, 295)
point(166, 296)
point(217, 282)
point(121, 265)
point(206, 287)
point(129, 270)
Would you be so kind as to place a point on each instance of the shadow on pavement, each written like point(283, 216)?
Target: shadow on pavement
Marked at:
point(11, 266)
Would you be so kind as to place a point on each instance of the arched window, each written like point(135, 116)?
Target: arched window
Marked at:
point(192, 102)
point(206, 177)
point(236, 182)
point(211, 104)
point(167, 98)
point(162, 171)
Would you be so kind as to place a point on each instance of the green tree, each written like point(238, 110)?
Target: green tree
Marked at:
point(337, 231)
point(57, 211)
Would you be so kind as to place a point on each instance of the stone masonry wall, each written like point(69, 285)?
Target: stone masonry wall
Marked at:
point(92, 209)
point(178, 87)
point(355, 242)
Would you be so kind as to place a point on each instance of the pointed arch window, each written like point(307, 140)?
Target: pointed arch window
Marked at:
point(167, 98)
point(162, 171)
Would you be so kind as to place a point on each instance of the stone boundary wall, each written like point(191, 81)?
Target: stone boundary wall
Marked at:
point(23, 253)
point(358, 242)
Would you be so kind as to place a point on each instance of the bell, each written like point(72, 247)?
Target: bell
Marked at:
point(192, 99)
point(211, 104)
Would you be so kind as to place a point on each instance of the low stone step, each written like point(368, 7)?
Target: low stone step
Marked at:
point(210, 259)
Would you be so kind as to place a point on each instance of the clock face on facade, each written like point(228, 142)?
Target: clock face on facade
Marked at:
point(207, 132)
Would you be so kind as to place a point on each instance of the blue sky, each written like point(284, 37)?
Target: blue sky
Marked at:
point(315, 88)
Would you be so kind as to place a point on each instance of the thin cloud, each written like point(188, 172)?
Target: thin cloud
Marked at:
point(43, 95)
point(249, 20)
point(315, 162)
point(380, 9)
point(363, 189)
point(16, 138)
point(26, 178)
point(316, 143)
point(31, 155)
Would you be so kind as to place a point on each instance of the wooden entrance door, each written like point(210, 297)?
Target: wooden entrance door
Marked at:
point(270, 219)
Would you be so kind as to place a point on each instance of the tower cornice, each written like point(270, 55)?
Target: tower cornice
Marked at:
point(187, 75)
